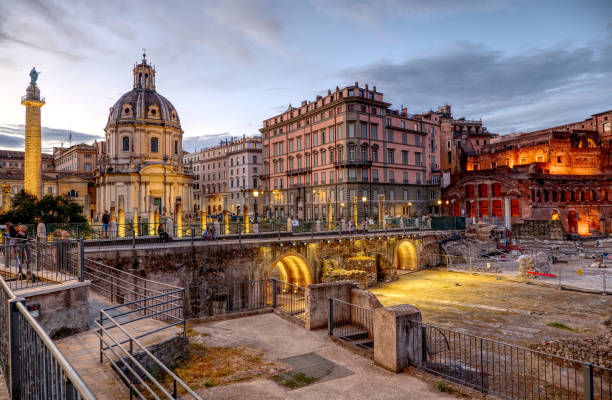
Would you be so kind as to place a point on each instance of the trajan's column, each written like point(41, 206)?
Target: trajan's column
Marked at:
point(33, 149)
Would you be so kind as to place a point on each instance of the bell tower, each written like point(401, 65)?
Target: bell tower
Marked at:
point(144, 74)
point(33, 148)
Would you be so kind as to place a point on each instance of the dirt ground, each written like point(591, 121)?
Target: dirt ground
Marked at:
point(503, 310)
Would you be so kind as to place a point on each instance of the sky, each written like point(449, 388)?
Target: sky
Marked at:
point(227, 65)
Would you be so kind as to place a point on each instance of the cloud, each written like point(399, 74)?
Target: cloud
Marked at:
point(12, 137)
point(193, 143)
point(369, 12)
point(498, 87)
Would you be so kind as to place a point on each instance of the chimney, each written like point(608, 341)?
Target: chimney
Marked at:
point(374, 88)
point(366, 86)
point(404, 110)
point(356, 84)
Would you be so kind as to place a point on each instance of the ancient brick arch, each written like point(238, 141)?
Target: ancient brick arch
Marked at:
point(405, 256)
point(291, 267)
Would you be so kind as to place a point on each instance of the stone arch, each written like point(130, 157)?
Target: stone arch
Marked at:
point(291, 267)
point(405, 256)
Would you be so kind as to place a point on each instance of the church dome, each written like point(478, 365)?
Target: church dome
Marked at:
point(143, 103)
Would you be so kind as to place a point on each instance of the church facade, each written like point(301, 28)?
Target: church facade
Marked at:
point(140, 173)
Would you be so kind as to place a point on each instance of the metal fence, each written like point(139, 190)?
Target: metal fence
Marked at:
point(289, 298)
point(32, 366)
point(504, 370)
point(351, 323)
point(234, 297)
point(30, 263)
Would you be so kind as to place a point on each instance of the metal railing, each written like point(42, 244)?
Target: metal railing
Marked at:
point(135, 297)
point(504, 370)
point(30, 263)
point(289, 298)
point(351, 323)
point(125, 353)
point(32, 365)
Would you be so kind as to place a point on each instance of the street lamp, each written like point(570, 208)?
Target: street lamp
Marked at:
point(410, 209)
point(364, 199)
point(439, 207)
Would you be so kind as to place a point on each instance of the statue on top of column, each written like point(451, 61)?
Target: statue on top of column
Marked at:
point(34, 76)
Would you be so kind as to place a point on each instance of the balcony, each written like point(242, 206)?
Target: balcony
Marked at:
point(352, 163)
point(298, 171)
point(263, 177)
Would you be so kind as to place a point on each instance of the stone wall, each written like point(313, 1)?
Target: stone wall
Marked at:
point(537, 229)
point(197, 267)
point(63, 309)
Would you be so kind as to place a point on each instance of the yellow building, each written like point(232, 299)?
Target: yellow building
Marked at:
point(140, 164)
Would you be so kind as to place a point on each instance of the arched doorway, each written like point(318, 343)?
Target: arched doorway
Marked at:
point(292, 268)
point(406, 256)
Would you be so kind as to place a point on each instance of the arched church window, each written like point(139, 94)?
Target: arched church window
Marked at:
point(154, 145)
point(126, 143)
point(146, 79)
point(140, 80)
point(176, 147)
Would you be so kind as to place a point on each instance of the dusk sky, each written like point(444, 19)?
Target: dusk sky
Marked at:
point(227, 65)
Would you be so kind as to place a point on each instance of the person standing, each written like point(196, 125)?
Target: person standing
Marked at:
point(105, 222)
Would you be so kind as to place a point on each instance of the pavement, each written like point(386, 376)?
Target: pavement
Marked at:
point(343, 373)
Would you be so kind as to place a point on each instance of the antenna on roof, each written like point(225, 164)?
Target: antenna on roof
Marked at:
point(69, 138)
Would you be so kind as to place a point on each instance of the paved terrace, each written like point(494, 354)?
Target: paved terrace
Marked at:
point(352, 376)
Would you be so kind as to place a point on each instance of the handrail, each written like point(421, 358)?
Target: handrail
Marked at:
point(149, 354)
point(135, 276)
point(74, 377)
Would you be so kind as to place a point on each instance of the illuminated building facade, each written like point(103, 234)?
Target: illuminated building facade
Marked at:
point(337, 155)
point(561, 173)
point(140, 173)
point(226, 175)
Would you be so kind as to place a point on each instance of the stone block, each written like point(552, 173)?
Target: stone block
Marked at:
point(397, 337)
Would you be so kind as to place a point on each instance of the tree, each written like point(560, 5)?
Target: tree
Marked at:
point(27, 209)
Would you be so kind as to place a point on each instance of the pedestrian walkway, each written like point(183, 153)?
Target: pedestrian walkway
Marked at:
point(83, 352)
point(335, 372)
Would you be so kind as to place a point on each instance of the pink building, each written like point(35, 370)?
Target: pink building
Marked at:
point(350, 145)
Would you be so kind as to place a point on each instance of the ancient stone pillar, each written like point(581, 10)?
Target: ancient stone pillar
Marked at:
point(226, 222)
point(6, 198)
point(381, 210)
point(121, 213)
point(398, 340)
point(135, 222)
point(247, 223)
point(203, 220)
point(32, 180)
point(179, 218)
point(151, 217)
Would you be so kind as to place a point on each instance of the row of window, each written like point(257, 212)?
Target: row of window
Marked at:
point(153, 147)
point(339, 176)
point(327, 136)
point(366, 156)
